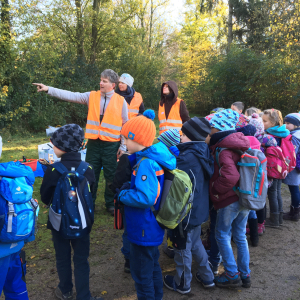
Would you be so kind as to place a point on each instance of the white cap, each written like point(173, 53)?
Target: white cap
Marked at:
point(127, 79)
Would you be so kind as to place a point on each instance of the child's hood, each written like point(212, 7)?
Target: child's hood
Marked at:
point(201, 152)
point(254, 143)
point(279, 131)
point(159, 153)
point(234, 141)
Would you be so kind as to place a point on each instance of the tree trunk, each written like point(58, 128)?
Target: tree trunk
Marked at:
point(230, 33)
point(79, 30)
point(151, 24)
point(96, 6)
point(5, 32)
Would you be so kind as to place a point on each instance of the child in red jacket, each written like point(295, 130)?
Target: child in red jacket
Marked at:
point(231, 217)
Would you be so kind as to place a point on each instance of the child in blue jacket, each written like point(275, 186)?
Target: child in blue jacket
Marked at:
point(147, 180)
point(195, 159)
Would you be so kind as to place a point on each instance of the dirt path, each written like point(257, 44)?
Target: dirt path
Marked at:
point(274, 265)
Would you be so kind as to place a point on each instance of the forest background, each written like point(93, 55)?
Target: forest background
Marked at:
point(217, 51)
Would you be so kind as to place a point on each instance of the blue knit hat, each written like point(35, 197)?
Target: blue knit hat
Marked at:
point(293, 118)
point(170, 137)
point(248, 130)
point(224, 120)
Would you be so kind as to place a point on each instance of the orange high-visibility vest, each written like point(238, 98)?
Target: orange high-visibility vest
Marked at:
point(110, 128)
point(174, 120)
point(134, 107)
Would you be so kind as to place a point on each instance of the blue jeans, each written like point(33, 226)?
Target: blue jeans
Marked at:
point(295, 194)
point(274, 195)
point(214, 253)
point(184, 259)
point(11, 278)
point(146, 272)
point(233, 219)
point(81, 248)
point(126, 244)
point(252, 214)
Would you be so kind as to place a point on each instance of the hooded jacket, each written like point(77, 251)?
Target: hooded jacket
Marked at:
point(145, 191)
point(195, 158)
point(293, 178)
point(184, 114)
point(227, 176)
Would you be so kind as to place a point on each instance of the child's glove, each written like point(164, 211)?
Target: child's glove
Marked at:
point(125, 186)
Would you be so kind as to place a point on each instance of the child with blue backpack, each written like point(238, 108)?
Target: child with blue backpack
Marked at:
point(195, 159)
point(144, 195)
point(292, 122)
point(67, 141)
point(21, 216)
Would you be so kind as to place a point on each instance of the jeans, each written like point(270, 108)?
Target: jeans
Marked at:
point(81, 248)
point(274, 195)
point(146, 272)
point(103, 154)
point(214, 253)
point(233, 219)
point(11, 279)
point(252, 214)
point(184, 258)
point(295, 194)
point(126, 244)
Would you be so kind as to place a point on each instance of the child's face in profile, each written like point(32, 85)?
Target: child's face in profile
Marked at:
point(184, 139)
point(267, 122)
point(233, 107)
point(290, 126)
point(132, 146)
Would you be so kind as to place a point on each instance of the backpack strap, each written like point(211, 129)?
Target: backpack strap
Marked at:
point(82, 168)
point(59, 167)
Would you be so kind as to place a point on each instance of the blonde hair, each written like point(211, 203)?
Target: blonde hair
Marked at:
point(274, 116)
point(252, 110)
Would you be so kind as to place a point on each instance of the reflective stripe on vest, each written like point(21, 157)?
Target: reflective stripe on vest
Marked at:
point(134, 107)
point(110, 128)
point(174, 120)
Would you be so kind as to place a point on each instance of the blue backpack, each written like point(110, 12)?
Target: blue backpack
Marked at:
point(18, 211)
point(72, 209)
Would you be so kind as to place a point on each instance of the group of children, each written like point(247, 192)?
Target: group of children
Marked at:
point(139, 183)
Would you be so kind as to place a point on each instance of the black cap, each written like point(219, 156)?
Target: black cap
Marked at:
point(68, 138)
point(196, 129)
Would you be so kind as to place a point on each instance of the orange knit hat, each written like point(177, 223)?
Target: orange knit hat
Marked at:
point(141, 129)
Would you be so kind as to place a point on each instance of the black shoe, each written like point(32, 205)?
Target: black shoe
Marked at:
point(60, 295)
point(111, 210)
point(127, 266)
point(246, 281)
point(170, 283)
point(169, 251)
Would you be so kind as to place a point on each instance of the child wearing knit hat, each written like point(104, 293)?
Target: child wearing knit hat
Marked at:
point(231, 217)
point(144, 195)
point(195, 159)
point(292, 122)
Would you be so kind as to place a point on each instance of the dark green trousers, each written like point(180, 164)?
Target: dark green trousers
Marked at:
point(103, 154)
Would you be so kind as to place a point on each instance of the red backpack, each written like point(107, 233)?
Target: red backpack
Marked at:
point(281, 160)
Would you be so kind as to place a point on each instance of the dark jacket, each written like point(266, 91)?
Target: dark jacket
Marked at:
point(124, 171)
point(169, 102)
point(51, 177)
point(227, 176)
point(195, 157)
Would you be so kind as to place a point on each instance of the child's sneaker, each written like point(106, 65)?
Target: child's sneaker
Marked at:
point(60, 295)
point(246, 281)
point(127, 266)
point(206, 284)
point(261, 228)
point(170, 283)
point(225, 280)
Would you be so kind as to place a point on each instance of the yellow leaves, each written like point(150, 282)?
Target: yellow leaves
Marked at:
point(32, 257)
point(103, 292)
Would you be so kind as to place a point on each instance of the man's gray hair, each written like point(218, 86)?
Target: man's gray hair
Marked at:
point(111, 75)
